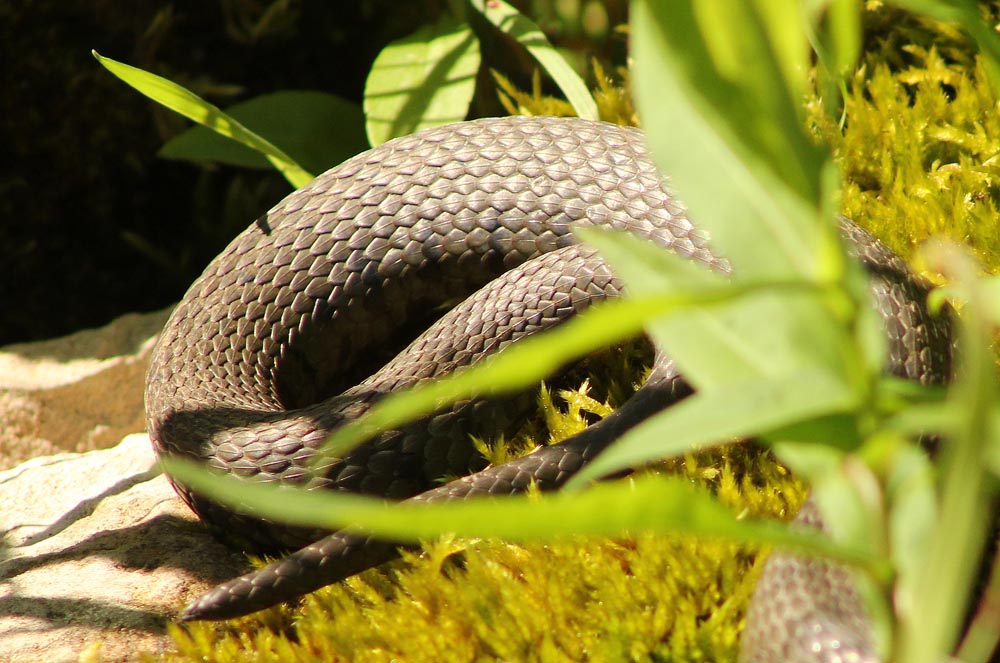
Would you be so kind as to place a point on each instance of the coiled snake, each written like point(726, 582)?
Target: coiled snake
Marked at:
point(256, 364)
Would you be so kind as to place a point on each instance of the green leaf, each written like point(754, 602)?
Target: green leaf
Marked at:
point(511, 22)
point(732, 143)
point(193, 107)
point(721, 123)
point(424, 80)
point(845, 34)
point(524, 363)
point(317, 129)
point(723, 414)
point(943, 584)
point(774, 329)
point(911, 489)
point(990, 288)
point(649, 503)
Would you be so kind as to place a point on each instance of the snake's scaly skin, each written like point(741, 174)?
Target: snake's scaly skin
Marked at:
point(255, 366)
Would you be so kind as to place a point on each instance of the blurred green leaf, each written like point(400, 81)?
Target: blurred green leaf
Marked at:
point(942, 586)
point(991, 298)
point(317, 129)
point(723, 121)
point(719, 415)
point(833, 28)
point(844, 31)
point(527, 362)
point(912, 491)
point(778, 328)
point(511, 22)
point(424, 80)
point(191, 106)
point(648, 503)
point(733, 145)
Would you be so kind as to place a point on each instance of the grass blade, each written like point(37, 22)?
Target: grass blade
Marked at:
point(317, 129)
point(649, 503)
point(524, 363)
point(187, 103)
point(512, 22)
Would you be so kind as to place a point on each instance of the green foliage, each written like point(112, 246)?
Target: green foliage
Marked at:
point(425, 79)
point(196, 109)
point(429, 77)
point(614, 102)
point(511, 22)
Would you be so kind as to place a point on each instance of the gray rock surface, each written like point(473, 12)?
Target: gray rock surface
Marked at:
point(75, 393)
point(96, 550)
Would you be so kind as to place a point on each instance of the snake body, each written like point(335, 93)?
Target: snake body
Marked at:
point(258, 363)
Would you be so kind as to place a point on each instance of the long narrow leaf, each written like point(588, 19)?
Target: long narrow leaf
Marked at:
point(782, 331)
point(187, 103)
point(931, 630)
point(651, 503)
point(527, 361)
point(729, 137)
point(720, 415)
point(317, 129)
point(520, 27)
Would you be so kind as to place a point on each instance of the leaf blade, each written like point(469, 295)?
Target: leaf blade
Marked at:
point(423, 80)
point(317, 129)
point(186, 103)
point(512, 22)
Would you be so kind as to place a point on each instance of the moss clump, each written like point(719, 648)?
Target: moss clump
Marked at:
point(614, 102)
point(919, 152)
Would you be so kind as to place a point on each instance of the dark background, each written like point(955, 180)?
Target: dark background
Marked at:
point(92, 223)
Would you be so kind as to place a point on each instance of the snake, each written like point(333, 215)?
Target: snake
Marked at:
point(334, 298)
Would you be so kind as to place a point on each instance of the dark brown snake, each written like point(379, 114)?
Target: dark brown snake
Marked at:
point(256, 365)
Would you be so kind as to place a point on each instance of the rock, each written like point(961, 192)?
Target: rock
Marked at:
point(98, 551)
point(75, 393)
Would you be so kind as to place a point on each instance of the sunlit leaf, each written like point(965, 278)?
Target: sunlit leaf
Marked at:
point(723, 414)
point(423, 80)
point(651, 503)
point(528, 361)
point(731, 138)
point(317, 129)
point(943, 584)
point(191, 106)
point(510, 21)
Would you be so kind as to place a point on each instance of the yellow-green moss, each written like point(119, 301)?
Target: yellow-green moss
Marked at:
point(918, 152)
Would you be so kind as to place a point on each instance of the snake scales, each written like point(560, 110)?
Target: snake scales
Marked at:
point(256, 364)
